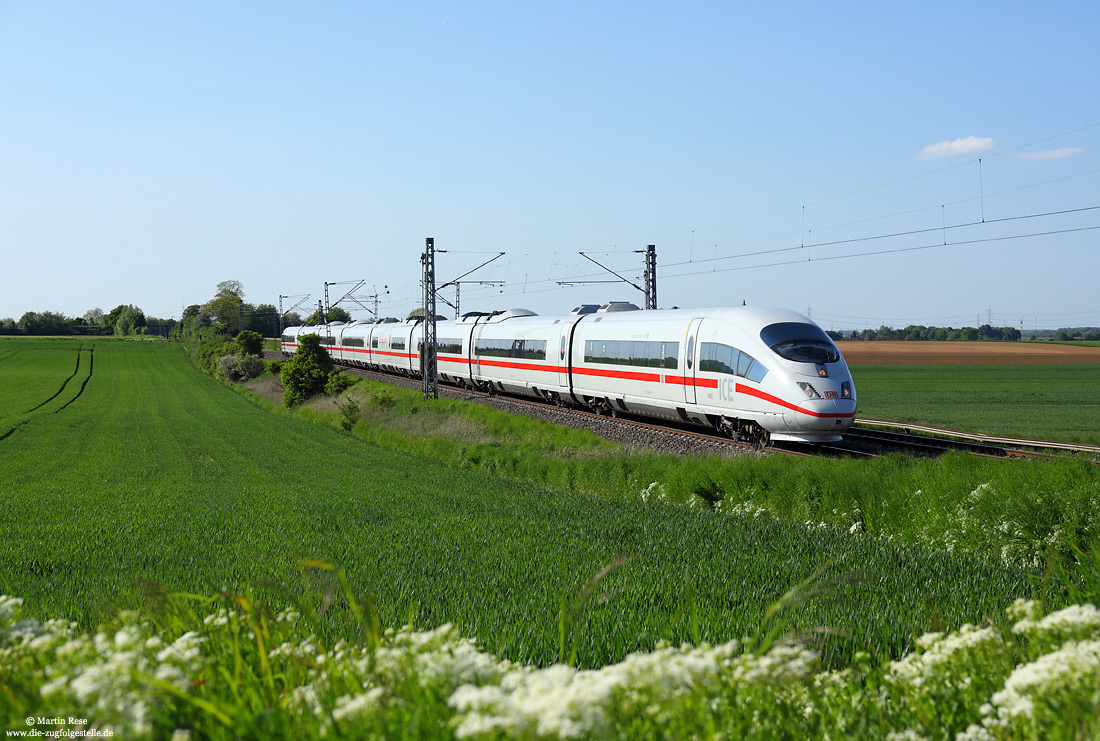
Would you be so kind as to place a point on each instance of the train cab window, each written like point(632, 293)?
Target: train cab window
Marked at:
point(751, 368)
point(800, 342)
point(717, 358)
point(288, 338)
point(397, 343)
point(744, 363)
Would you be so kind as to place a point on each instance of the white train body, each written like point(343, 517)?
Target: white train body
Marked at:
point(752, 372)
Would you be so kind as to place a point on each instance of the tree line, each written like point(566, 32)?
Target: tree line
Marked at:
point(226, 312)
point(921, 333)
point(230, 314)
point(122, 321)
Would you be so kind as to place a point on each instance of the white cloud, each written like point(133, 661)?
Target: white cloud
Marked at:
point(966, 145)
point(1051, 154)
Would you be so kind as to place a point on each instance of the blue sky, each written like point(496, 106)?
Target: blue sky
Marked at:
point(149, 151)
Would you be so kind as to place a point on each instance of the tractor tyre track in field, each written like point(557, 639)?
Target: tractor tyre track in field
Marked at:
point(63, 383)
point(9, 433)
point(84, 385)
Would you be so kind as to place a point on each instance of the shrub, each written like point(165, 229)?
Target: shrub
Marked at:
point(250, 343)
point(210, 350)
point(274, 367)
point(250, 366)
point(349, 413)
point(307, 373)
point(338, 382)
point(235, 368)
point(227, 367)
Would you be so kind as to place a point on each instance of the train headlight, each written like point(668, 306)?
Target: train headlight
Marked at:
point(846, 390)
point(810, 391)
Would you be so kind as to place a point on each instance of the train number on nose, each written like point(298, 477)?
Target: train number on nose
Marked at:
point(832, 395)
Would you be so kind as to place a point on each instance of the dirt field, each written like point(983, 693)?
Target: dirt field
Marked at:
point(964, 353)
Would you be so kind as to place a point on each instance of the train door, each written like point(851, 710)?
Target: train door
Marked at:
point(691, 347)
point(468, 343)
point(475, 360)
point(563, 360)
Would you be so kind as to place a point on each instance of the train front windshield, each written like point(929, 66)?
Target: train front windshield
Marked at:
point(801, 343)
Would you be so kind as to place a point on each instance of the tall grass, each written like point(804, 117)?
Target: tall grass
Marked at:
point(1015, 510)
point(231, 666)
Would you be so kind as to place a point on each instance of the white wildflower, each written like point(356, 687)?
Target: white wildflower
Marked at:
point(564, 702)
point(54, 685)
point(184, 650)
point(915, 668)
point(1077, 620)
point(1023, 608)
point(10, 606)
point(907, 735)
point(347, 707)
point(289, 615)
point(126, 636)
point(307, 695)
point(974, 732)
point(1074, 665)
point(219, 618)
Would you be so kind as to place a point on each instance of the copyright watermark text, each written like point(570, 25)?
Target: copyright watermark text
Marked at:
point(46, 727)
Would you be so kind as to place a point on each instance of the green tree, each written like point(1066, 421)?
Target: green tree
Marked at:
point(44, 323)
point(251, 343)
point(130, 320)
point(335, 314)
point(264, 318)
point(227, 306)
point(307, 372)
point(125, 319)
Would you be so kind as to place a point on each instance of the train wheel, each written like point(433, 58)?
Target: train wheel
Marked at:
point(755, 435)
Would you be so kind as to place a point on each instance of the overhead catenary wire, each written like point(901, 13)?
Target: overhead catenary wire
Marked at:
point(890, 251)
point(558, 269)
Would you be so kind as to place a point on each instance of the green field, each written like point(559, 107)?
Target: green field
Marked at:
point(40, 376)
point(157, 477)
point(161, 474)
point(1051, 402)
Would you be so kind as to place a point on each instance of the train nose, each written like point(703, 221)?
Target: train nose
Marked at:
point(823, 404)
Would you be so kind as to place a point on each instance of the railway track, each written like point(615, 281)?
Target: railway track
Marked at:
point(929, 441)
point(978, 438)
point(622, 428)
point(868, 438)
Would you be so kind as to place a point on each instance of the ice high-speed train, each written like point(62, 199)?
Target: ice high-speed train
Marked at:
point(754, 373)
